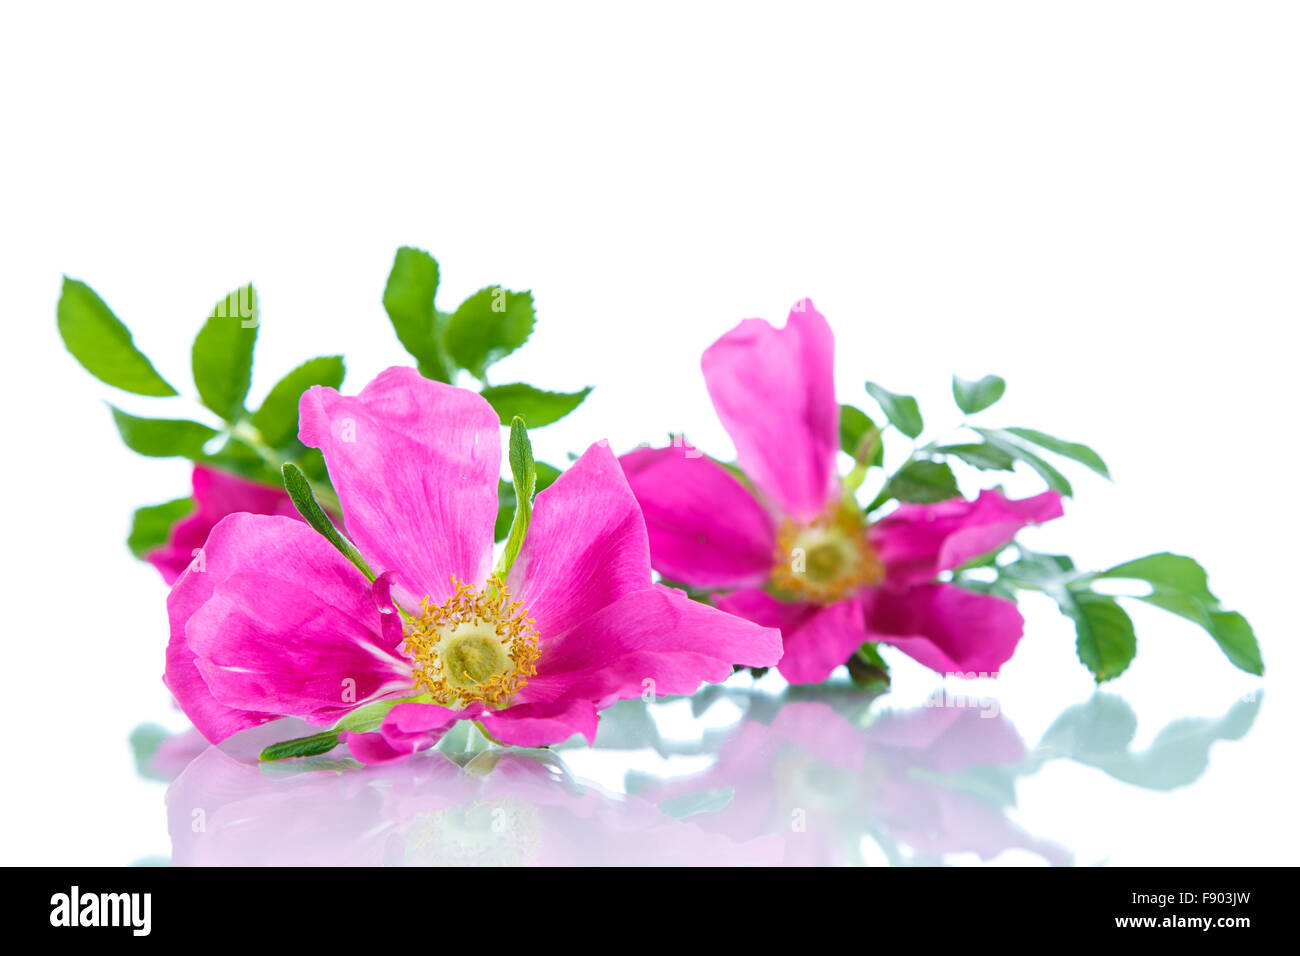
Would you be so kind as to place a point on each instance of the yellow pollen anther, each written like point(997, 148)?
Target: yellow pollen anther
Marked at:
point(477, 645)
point(826, 560)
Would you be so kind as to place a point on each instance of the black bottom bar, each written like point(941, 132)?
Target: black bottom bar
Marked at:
point(998, 904)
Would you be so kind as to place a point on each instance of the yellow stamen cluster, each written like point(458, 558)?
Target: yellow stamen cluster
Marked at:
point(478, 645)
point(827, 560)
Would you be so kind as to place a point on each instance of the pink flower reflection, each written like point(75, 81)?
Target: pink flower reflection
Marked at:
point(821, 784)
point(503, 807)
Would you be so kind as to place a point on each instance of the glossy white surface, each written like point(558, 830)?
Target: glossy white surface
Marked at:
point(738, 775)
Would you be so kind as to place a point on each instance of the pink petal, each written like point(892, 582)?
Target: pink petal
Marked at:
point(415, 464)
point(216, 494)
point(945, 627)
point(277, 645)
point(657, 641)
point(374, 748)
point(586, 545)
point(760, 607)
point(707, 530)
point(273, 549)
point(407, 728)
point(816, 639)
point(537, 725)
point(381, 589)
point(916, 542)
point(774, 391)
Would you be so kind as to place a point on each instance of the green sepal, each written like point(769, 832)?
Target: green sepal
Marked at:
point(523, 471)
point(299, 489)
point(301, 746)
point(546, 475)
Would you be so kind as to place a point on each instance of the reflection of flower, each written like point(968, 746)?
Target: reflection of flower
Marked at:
point(161, 755)
point(796, 780)
point(504, 807)
point(792, 551)
point(278, 622)
point(812, 777)
point(216, 494)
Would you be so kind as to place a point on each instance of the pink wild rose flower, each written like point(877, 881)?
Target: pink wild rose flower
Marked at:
point(279, 623)
point(216, 494)
point(774, 392)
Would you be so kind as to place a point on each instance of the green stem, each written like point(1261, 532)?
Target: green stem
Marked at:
point(247, 433)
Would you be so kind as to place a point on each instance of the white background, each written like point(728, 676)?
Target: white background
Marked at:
point(1098, 201)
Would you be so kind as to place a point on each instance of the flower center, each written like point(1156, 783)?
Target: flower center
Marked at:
point(477, 646)
point(826, 560)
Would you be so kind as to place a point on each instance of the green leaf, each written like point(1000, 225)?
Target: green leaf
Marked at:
point(1236, 639)
point(546, 475)
point(982, 455)
point(902, 410)
point(103, 345)
point(1055, 480)
point(923, 482)
point(1181, 586)
point(302, 746)
point(488, 326)
point(1044, 572)
point(409, 302)
point(222, 355)
point(152, 524)
point(1106, 641)
point(856, 428)
point(162, 437)
point(299, 489)
point(534, 406)
point(1067, 449)
point(277, 419)
point(524, 472)
point(1173, 572)
point(867, 668)
point(975, 396)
